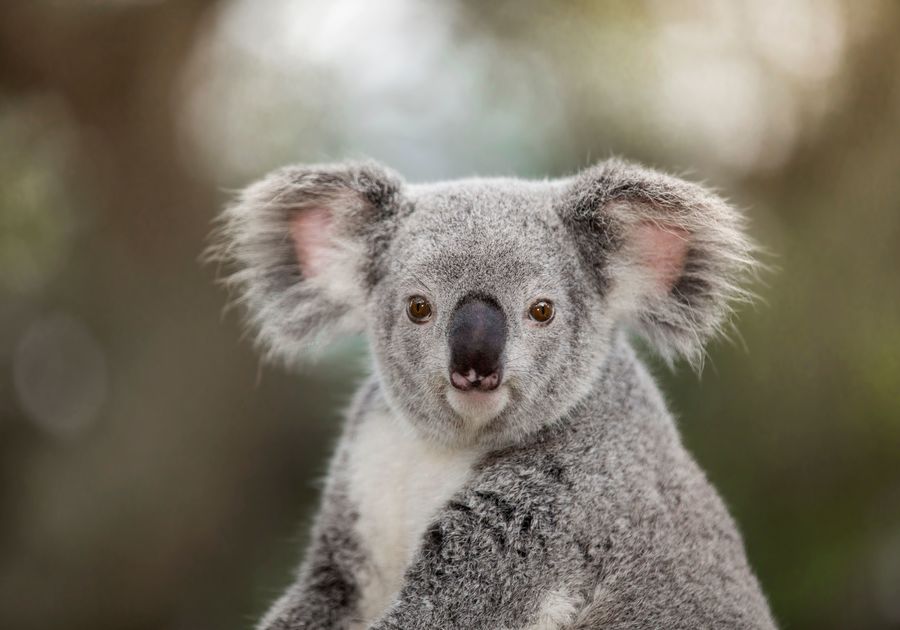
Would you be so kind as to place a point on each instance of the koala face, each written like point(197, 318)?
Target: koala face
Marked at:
point(513, 332)
point(490, 304)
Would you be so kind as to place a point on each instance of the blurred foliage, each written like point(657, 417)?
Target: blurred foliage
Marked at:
point(154, 475)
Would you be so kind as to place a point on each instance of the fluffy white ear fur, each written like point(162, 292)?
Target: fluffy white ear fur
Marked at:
point(299, 248)
point(661, 251)
point(671, 256)
point(311, 233)
point(328, 253)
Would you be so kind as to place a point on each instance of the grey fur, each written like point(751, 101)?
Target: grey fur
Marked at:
point(582, 486)
point(287, 311)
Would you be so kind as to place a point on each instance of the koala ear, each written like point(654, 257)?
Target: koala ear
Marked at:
point(670, 256)
point(303, 248)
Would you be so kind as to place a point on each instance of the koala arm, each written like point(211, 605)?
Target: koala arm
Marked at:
point(325, 593)
point(485, 562)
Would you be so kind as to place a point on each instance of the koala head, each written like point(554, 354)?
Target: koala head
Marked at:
point(490, 304)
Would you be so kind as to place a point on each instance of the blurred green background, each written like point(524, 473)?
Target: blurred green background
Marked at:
point(154, 475)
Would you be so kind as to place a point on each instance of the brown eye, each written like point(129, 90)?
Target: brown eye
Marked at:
point(541, 311)
point(419, 310)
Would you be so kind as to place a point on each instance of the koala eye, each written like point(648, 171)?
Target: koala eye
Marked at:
point(541, 311)
point(419, 309)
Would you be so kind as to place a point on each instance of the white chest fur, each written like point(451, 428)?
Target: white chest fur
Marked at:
point(398, 482)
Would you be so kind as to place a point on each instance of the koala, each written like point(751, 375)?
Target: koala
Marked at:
point(510, 464)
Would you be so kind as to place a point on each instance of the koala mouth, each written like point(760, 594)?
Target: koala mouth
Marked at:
point(476, 406)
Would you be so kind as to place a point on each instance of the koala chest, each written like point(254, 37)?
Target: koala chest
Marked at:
point(398, 483)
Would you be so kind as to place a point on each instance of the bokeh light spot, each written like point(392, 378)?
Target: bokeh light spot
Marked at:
point(60, 375)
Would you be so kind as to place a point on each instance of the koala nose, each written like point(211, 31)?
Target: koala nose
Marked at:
point(477, 337)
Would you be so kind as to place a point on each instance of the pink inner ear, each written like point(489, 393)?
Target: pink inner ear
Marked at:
point(663, 249)
point(310, 230)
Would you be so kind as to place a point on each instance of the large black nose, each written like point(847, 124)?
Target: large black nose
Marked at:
point(477, 336)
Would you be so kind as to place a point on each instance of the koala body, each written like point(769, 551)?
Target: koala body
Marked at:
point(509, 464)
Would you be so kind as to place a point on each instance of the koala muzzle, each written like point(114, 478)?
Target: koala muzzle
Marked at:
point(477, 336)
